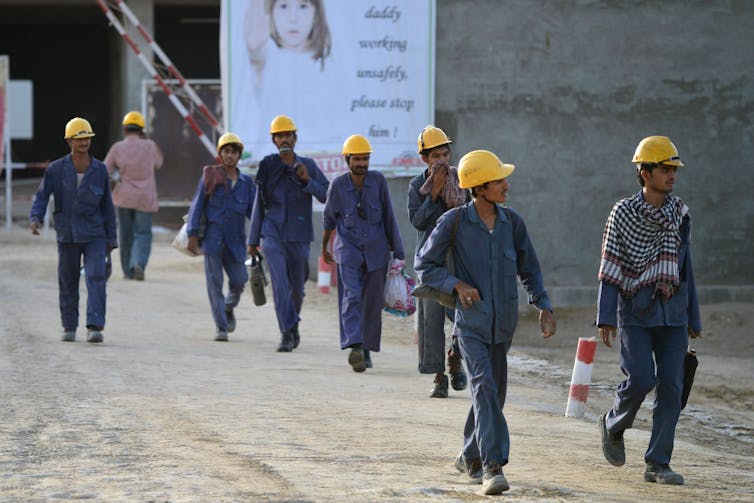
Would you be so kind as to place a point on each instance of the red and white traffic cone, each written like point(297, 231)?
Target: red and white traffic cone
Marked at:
point(581, 377)
point(324, 275)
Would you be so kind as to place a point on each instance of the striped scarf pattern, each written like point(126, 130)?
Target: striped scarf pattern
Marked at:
point(640, 245)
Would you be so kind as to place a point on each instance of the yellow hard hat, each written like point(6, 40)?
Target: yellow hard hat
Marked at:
point(479, 167)
point(281, 124)
point(356, 144)
point(78, 128)
point(432, 137)
point(657, 150)
point(227, 139)
point(133, 118)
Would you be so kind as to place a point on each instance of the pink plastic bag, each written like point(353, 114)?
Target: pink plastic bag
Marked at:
point(398, 287)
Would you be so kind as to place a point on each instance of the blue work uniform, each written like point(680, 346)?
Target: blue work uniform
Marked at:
point(366, 232)
point(84, 218)
point(423, 213)
point(282, 223)
point(224, 243)
point(489, 261)
point(649, 325)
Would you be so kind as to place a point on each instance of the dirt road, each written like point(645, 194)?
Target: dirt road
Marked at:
point(160, 412)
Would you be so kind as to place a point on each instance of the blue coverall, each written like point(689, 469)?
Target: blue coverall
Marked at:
point(224, 244)
point(490, 262)
point(366, 232)
point(423, 213)
point(282, 222)
point(648, 326)
point(85, 225)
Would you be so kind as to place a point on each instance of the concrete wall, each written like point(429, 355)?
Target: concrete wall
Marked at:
point(565, 90)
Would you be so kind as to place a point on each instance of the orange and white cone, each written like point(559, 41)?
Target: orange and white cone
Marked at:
point(581, 377)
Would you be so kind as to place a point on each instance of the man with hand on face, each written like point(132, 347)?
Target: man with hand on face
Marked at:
point(647, 295)
point(85, 226)
point(281, 223)
point(224, 196)
point(490, 248)
point(358, 206)
point(430, 194)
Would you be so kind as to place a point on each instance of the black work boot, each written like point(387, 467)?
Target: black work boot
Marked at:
point(441, 386)
point(458, 378)
point(286, 342)
point(357, 359)
point(296, 337)
point(612, 443)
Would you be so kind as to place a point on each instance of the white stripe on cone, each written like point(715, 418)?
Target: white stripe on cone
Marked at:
point(324, 275)
point(581, 377)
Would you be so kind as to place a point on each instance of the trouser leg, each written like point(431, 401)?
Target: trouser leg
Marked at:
point(431, 336)
point(350, 284)
point(486, 430)
point(638, 366)
point(69, 274)
point(237, 278)
point(126, 239)
point(213, 273)
point(95, 254)
point(277, 262)
point(142, 241)
point(670, 345)
point(298, 273)
point(373, 300)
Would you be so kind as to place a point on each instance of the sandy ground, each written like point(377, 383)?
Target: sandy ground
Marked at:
point(160, 412)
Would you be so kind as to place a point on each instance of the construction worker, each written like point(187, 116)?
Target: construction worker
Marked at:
point(358, 206)
point(223, 199)
point(647, 293)
point(131, 163)
point(84, 218)
point(282, 223)
point(490, 247)
point(430, 194)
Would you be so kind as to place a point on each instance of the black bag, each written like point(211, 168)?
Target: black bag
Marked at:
point(424, 291)
point(689, 370)
point(258, 280)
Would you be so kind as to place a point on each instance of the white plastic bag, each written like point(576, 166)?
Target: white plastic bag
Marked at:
point(181, 240)
point(398, 287)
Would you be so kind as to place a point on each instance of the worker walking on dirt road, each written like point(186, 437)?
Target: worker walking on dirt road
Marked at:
point(281, 222)
point(223, 200)
point(131, 163)
point(84, 218)
point(490, 248)
point(430, 194)
point(647, 293)
point(359, 207)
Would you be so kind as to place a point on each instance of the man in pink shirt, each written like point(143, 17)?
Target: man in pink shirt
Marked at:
point(131, 163)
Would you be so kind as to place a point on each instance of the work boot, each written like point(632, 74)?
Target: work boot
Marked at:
point(662, 474)
point(221, 336)
point(441, 386)
point(230, 318)
point(68, 336)
point(612, 444)
point(471, 467)
point(296, 337)
point(94, 336)
point(357, 359)
point(493, 480)
point(138, 273)
point(458, 377)
point(286, 342)
point(367, 359)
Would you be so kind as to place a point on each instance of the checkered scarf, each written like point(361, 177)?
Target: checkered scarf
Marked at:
point(451, 194)
point(640, 245)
